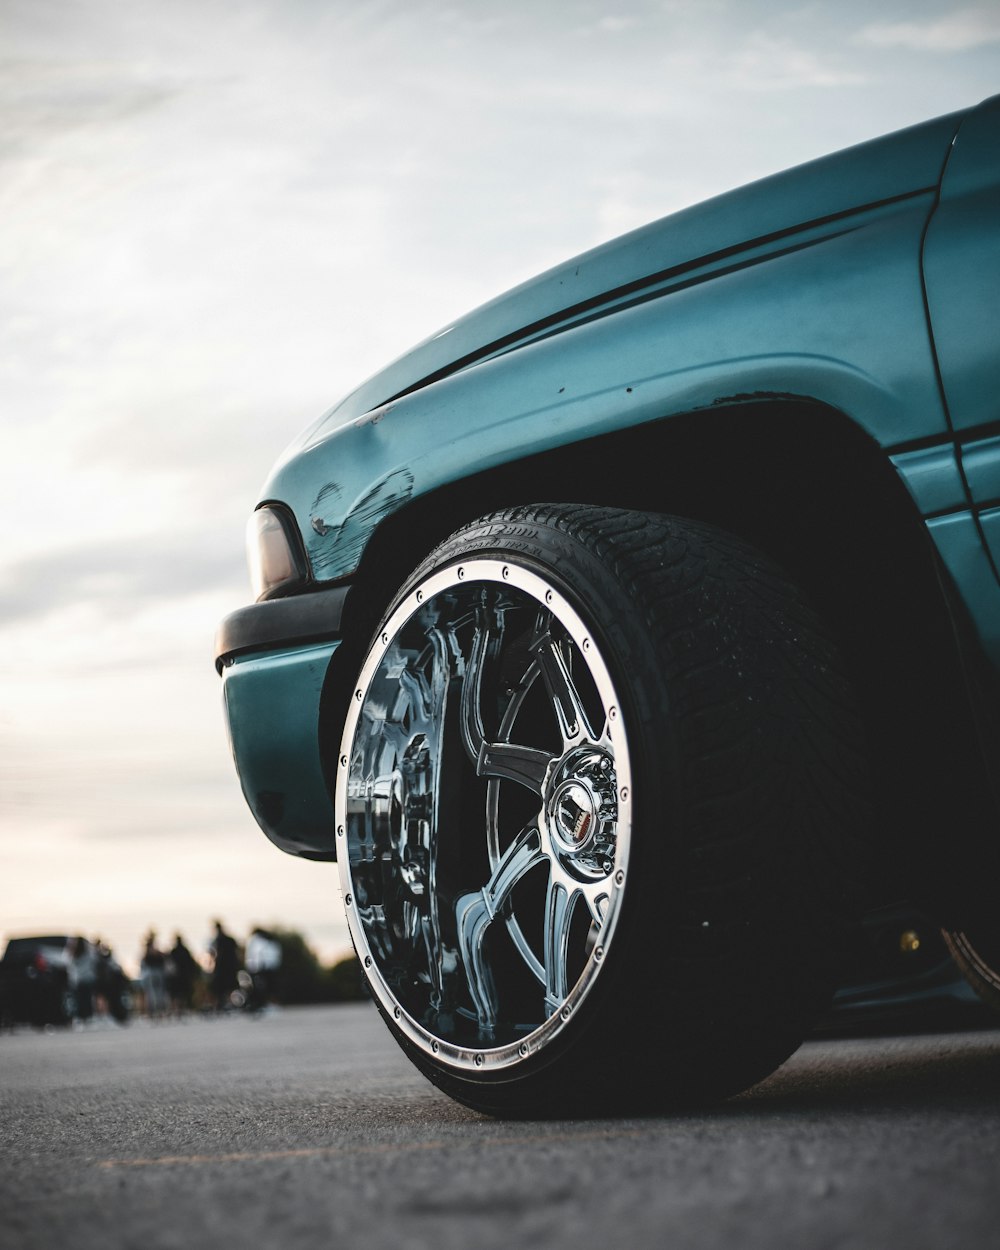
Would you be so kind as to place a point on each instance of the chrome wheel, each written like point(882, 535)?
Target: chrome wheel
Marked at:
point(597, 782)
point(484, 813)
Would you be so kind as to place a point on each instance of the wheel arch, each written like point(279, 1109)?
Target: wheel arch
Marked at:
point(807, 484)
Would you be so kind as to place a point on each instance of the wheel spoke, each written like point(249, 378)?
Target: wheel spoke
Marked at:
point(521, 856)
point(564, 894)
point(525, 765)
point(473, 916)
point(486, 639)
point(566, 701)
point(560, 903)
point(597, 899)
point(475, 912)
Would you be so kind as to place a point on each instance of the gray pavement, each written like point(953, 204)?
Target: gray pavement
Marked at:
point(309, 1129)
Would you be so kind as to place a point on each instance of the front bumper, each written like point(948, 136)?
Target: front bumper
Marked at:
point(276, 623)
point(274, 658)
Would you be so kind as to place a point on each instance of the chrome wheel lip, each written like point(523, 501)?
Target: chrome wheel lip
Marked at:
point(508, 573)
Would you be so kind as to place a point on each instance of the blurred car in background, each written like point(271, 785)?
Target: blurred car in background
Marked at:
point(34, 982)
point(58, 979)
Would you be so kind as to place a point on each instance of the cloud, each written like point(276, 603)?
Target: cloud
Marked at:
point(960, 31)
point(774, 63)
point(45, 99)
point(119, 578)
point(614, 24)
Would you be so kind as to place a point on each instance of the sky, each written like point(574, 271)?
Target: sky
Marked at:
point(216, 219)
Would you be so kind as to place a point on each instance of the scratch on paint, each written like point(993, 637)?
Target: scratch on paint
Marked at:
point(337, 548)
point(328, 498)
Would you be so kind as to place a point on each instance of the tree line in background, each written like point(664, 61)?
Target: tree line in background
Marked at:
point(304, 979)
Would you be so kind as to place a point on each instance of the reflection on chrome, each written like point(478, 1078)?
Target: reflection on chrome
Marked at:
point(482, 808)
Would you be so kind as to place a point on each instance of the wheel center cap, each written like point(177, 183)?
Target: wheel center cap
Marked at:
point(577, 814)
point(581, 812)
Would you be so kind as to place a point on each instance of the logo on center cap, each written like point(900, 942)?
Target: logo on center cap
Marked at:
point(575, 812)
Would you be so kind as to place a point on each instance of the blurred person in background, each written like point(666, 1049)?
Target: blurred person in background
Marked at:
point(183, 972)
point(225, 966)
point(263, 963)
point(153, 976)
point(112, 996)
point(81, 976)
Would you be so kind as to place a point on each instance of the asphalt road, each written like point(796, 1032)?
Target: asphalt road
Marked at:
point(309, 1130)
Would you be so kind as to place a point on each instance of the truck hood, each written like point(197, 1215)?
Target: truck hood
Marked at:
point(883, 169)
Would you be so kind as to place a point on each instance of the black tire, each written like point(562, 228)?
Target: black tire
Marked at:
point(729, 872)
point(976, 951)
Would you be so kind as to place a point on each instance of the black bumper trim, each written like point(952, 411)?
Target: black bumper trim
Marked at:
point(313, 617)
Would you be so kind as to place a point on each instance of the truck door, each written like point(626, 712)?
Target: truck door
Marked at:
point(962, 275)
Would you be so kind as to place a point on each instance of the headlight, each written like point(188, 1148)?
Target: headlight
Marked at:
point(273, 552)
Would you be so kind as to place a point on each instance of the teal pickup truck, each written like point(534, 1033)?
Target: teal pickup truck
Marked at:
point(629, 638)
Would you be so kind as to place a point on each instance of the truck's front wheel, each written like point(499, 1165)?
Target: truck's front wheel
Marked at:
point(598, 799)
